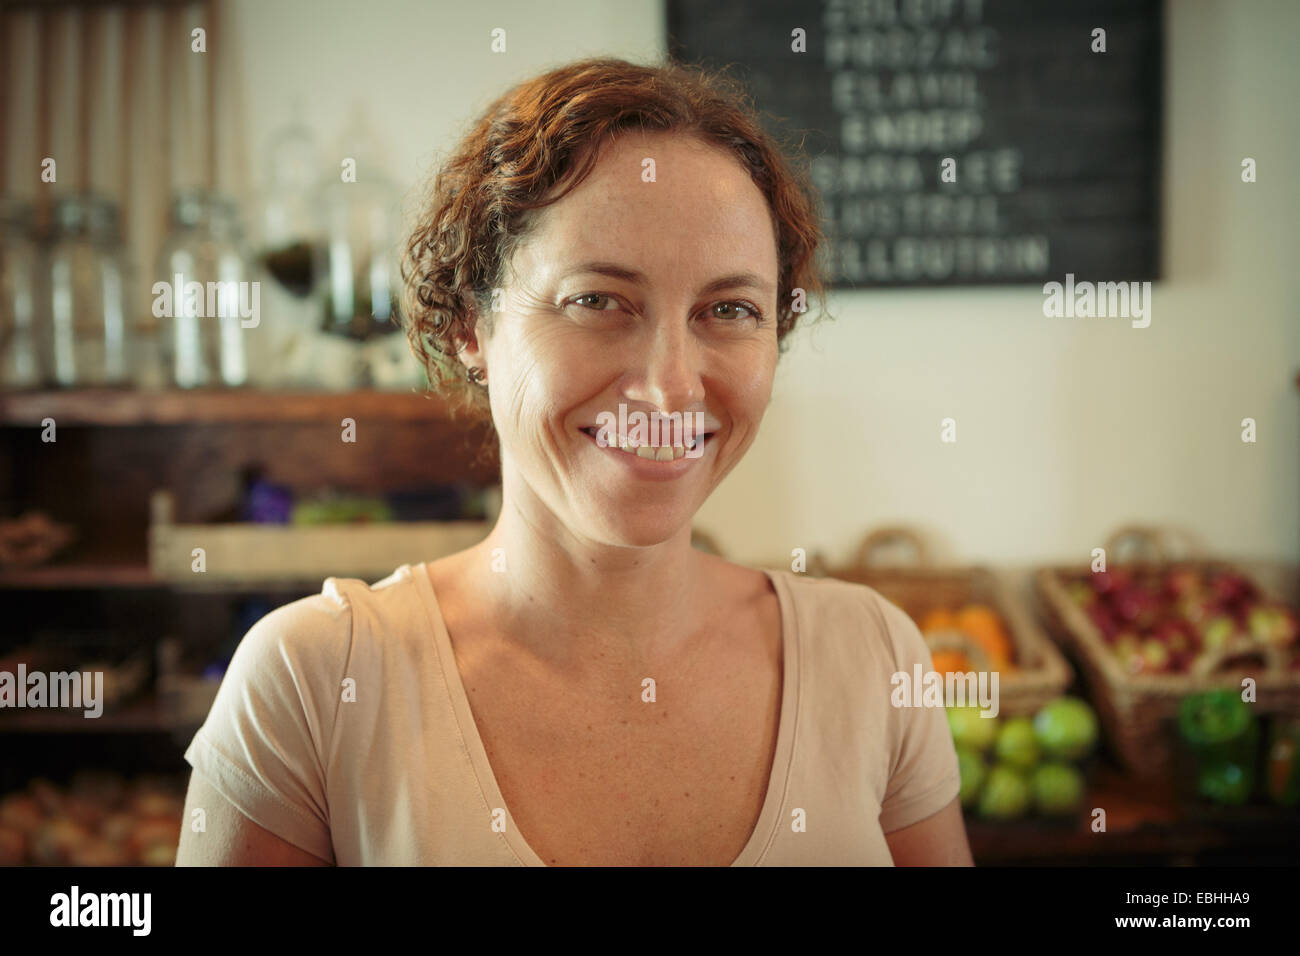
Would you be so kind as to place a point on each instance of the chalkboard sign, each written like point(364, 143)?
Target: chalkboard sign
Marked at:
point(958, 142)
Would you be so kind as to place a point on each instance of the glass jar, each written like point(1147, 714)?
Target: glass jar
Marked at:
point(205, 295)
point(22, 306)
point(360, 278)
point(89, 336)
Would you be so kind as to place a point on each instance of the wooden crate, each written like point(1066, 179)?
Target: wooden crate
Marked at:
point(1137, 712)
point(1041, 674)
point(261, 553)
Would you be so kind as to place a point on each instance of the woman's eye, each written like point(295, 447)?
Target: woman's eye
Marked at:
point(746, 311)
point(592, 295)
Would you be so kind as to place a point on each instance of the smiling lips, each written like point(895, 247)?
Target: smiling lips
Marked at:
point(651, 452)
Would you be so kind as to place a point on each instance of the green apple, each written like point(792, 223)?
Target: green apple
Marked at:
point(971, 730)
point(1006, 793)
point(1058, 788)
point(1016, 744)
point(1066, 728)
point(1226, 783)
point(972, 769)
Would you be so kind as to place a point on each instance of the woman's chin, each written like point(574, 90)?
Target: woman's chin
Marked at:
point(623, 532)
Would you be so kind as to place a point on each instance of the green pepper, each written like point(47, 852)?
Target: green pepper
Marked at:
point(1221, 731)
point(1225, 783)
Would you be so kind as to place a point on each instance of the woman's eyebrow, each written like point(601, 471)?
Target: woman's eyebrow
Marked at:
point(615, 271)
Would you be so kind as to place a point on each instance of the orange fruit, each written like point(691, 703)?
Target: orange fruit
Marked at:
point(938, 619)
point(984, 625)
point(950, 662)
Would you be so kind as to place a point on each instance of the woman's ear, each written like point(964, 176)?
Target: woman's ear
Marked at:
point(471, 352)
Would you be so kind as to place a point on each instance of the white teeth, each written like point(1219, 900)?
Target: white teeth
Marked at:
point(654, 453)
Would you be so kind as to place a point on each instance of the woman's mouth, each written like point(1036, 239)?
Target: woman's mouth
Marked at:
point(662, 453)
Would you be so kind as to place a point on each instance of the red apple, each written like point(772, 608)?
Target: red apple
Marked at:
point(1197, 609)
point(1183, 582)
point(1272, 624)
point(1155, 657)
point(1127, 649)
point(1081, 594)
point(1104, 621)
point(1231, 588)
point(1137, 605)
point(1174, 634)
point(1104, 582)
point(1218, 632)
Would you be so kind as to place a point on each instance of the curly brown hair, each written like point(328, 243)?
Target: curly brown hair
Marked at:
point(547, 130)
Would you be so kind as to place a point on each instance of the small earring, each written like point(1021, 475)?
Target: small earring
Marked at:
point(477, 375)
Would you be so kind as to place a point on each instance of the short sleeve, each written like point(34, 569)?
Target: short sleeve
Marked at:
point(923, 776)
point(262, 743)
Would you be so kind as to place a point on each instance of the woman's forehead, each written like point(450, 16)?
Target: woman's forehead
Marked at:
point(673, 200)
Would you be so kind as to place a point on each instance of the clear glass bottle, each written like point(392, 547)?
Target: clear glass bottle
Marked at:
point(287, 229)
point(205, 338)
point(361, 221)
point(90, 340)
point(23, 308)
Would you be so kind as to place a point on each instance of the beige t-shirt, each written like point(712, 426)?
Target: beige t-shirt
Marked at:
point(399, 776)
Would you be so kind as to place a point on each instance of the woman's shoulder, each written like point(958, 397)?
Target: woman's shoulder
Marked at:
point(858, 612)
point(328, 624)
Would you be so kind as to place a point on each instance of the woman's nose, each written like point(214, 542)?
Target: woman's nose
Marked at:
point(670, 377)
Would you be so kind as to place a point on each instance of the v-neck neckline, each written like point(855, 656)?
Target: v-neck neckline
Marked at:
point(768, 818)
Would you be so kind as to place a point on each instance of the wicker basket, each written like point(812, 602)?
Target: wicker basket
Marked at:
point(1137, 711)
point(1041, 674)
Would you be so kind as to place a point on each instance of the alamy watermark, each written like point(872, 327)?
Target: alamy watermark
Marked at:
point(923, 688)
point(75, 908)
point(75, 689)
point(663, 432)
point(230, 299)
point(1089, 300)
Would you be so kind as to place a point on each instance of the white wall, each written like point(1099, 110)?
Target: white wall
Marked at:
point(1066, 427)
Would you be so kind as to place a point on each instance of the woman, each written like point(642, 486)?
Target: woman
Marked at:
point(584, 687)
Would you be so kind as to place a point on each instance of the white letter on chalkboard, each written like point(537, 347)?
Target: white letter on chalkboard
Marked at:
point(799, 41)
point(1099, 40)
point(648, 170)
point(800, 303)
point(947, 170)
point(498, 40)
point(948, 430)
point(1052, 307)
point(1247, 170)
point(1248, 430)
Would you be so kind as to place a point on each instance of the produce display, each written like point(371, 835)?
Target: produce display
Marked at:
point(1014, 766)
point(101, 819)
point(1180, 619)
point(970, 638)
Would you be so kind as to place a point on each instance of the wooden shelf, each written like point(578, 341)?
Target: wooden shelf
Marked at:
point(83, 575)
point(146, 715)
point(126, 407)
point(99, 577)
point(1144, 819)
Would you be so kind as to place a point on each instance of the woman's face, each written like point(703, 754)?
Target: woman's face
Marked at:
point(658, 294)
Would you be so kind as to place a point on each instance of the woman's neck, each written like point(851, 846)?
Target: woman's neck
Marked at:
point(585, 607)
